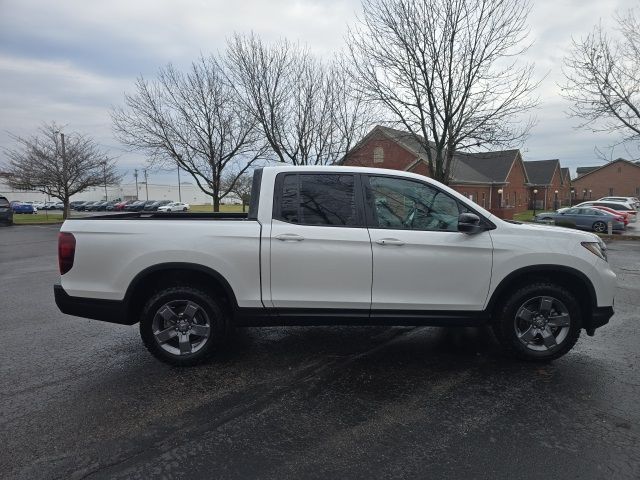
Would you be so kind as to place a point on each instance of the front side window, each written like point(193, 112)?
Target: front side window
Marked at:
point(318, 199)
point(411, 205)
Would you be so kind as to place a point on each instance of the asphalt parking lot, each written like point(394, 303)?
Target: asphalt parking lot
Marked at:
point(83, 399)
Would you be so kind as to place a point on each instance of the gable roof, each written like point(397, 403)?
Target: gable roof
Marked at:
point(483, 167)
point(541, 172)
point(566, 174)
point(590, 170)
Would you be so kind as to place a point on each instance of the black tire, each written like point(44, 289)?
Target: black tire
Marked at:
point(600, 227)
point(506, 323)
point(211, 309)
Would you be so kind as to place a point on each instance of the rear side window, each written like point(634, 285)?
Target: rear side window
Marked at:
point(4, 202)
point(318, 199)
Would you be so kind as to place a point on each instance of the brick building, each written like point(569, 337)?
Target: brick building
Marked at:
point(617, 178)
point(549, 184)
point(497, 181)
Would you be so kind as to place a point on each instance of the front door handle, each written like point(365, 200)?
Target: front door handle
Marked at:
point(289, 237)
point(390, 241)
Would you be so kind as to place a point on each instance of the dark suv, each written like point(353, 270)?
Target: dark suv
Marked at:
point(6, 213)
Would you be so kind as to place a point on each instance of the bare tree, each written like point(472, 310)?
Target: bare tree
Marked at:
point(446, 71)
point(194, 120)
point(307, 109)
point(603, 79)
point(240, 186)
point(59, 165)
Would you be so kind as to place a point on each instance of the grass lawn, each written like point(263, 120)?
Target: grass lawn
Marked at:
point(24, 219)
point(526, 216)
point(223, 208)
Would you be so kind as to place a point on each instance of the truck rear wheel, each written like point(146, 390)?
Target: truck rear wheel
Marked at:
point(182, 325)
point(538, 322)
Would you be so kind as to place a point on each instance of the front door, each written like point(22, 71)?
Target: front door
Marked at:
point(420, 260)
point(320, 247)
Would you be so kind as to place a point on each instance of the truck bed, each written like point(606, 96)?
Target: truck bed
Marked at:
point(167, 216)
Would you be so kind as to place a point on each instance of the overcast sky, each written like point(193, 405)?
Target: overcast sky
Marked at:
point(71, 61)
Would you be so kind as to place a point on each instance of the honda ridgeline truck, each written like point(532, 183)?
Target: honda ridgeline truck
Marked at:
point(329, 246)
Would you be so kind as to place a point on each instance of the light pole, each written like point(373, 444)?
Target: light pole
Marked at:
point(555, 200)
point(146, 183)
point(179, 191)
point(589, 194)
point(535, 192)
point(584, 194)
point(572, 193)
point(135, 174)
point(500, 197)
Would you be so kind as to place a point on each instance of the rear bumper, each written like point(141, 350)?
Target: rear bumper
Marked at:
point(113, 311)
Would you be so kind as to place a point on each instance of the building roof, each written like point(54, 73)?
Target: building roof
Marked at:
point(540, 172)
point(566, 174)
point(483, 167)
point(584, 171)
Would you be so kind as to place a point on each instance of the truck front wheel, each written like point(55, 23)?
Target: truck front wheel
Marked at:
point(182, 325)
point(538, 322)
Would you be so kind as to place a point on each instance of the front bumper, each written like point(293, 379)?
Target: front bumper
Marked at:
point(113, 311)
point(599, 316)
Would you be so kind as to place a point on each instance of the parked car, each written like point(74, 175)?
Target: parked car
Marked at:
point(119, 206)
point(96, 206)
point(632, 200)
point(84, 206)
point(624, 215)
point(152, 207)
point(174, 207)
point(583, 218)
point(75, 203)
point(6, 212)
point(620, 206)
point(137, 206)
point(19, 207)
point(328, 245)
point(39, 205)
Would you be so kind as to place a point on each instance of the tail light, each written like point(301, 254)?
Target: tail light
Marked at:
point(66, 251)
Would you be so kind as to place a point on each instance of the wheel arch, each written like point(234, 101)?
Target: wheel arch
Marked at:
point(158, 276)
point(573, 280)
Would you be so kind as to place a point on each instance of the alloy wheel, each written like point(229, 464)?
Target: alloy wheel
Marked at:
point(181, 327)
point(542, 323)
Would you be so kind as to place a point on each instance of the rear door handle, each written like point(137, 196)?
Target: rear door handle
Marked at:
point(390, 241)
point(289, 237)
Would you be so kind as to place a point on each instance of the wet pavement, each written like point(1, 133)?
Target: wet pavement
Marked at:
point(83, 399)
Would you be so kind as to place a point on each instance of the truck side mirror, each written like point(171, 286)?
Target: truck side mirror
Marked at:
point(469, 223)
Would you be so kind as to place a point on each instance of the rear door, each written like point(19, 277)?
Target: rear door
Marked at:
point(420, 259)
point(320, 247)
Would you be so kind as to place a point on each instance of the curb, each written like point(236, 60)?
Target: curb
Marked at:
point(36, 223)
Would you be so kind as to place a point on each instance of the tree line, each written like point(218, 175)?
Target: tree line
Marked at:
point(448, 71)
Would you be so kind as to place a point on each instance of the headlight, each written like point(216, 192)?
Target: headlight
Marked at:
point(597, 248)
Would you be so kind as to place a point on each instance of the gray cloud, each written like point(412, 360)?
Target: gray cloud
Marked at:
point(71, 61)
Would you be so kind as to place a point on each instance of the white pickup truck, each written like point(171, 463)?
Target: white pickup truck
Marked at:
point(335, 245)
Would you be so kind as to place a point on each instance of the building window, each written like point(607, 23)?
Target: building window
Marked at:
point(378, 155)
point(484, 201)
point(610, 191)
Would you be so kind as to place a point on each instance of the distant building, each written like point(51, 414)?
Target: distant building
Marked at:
point(552, 182)
point(619, 177)
point(498, 180)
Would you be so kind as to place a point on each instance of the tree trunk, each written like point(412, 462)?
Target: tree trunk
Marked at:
point(216, 204)
point(65, 210)
point(244, 207)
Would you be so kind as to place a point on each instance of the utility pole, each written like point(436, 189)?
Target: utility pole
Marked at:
point(135, 174)
point(179, 191)
point(64, 177)
point(104, 170)
point(146, 183)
